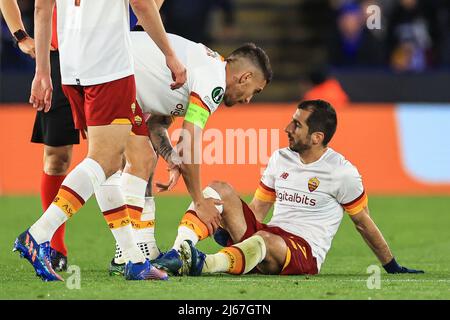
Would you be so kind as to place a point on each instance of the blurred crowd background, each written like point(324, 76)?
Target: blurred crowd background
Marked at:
point(318, 48)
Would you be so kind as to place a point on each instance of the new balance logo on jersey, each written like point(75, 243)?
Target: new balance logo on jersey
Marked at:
point(284, 175)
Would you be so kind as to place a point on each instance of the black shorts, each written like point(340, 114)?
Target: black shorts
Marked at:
point(56, 128)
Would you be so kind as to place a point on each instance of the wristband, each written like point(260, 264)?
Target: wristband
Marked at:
point(20, 35)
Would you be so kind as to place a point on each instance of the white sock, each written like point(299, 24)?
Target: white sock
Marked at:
point(146, 236)
point(142, 214)
point(130, 251)
point(240, 258)
point(216, 263)
point(186, 233)
point(254, 250)
point(133, 190)
point(79, 185)
point(111, 202)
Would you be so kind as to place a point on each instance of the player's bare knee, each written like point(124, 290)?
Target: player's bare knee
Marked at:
point(224, 189)
point(275, 252)
point(268, 241)
point(265, 235)
point(141, 162)
point(110, 163)
point(56, 166)
point(57, 160)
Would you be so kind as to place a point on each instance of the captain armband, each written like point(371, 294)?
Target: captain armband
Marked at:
point(196, 115)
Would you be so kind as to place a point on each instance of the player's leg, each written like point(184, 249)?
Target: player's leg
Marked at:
point(76, 189)
point(106, 147)
point(193, 229)
point(141, 160)
point(270, 250)
point(56, 164)
point(121, 199)
point(56, 130)
point(137, 176)
point(263, 250)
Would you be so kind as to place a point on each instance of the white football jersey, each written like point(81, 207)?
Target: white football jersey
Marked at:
point(310, 198)
point(94, 41)
point(205, 76)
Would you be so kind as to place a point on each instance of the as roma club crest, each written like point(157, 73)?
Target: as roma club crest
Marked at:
point(313, 184)
point(137, 120)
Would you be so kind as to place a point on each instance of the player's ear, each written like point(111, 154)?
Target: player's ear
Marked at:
point(246, 76)
point(317, 137)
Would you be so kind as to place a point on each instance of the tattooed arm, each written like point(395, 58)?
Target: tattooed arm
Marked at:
point(157, 129)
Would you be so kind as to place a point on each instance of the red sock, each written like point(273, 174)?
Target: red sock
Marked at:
point(49, 189)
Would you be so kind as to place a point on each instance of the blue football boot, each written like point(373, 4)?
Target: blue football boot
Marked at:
point(169, 261)
point(221, 236)
point(144, 271)
point(192, 258)
point(58, 260)
point(38, 255)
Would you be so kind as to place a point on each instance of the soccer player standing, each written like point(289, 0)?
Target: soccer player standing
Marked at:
point(98, 77)
point(211, 80)
point(55, 129)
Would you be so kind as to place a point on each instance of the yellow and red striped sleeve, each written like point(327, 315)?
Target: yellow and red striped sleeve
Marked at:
point(357, 205)
point(265, 193)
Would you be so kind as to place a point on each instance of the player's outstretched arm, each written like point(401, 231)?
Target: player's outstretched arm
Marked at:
point(190, 146)
point(149, 18)
point(11, 13)
point(41, 88)
point(373, 237)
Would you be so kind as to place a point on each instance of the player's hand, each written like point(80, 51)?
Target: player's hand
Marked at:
point(41, 92)
point(174, 167)
point(394, 267)
point(174, 175)
point(207, 212)
point(178, 72)
point(27, 46)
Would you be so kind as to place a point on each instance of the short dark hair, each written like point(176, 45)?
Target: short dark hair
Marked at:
point(257, 56)
point(322, 118)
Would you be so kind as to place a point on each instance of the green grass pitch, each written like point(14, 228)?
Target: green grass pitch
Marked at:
point(416, 228)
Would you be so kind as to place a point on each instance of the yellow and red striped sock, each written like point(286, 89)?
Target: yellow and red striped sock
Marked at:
point(117, 217)
point(236, 260)
point(76, 189)
point(115, 211)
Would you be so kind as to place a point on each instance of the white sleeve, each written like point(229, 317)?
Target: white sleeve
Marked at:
point(208, 87)
point(351, 194)
point(350, 185)
point(268, 177)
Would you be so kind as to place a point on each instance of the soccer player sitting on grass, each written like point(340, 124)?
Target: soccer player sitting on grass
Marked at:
point(310, 186)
